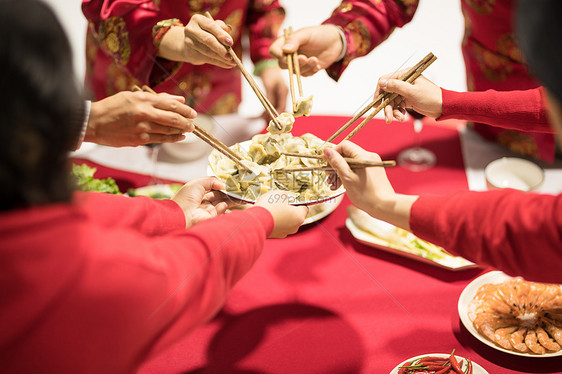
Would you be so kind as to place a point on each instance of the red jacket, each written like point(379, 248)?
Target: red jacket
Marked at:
point(102, 284)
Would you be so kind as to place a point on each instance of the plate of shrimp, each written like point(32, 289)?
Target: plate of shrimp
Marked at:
point(513, 315)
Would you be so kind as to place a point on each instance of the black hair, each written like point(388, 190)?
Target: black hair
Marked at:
point(540, 34)
point(41, 107)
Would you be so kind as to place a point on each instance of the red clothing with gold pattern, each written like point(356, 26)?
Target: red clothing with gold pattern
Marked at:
point(123, 36)
point(492, 58)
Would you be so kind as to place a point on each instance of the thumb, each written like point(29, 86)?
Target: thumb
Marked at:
point(397, 86)
point(337, 162)
point(293, 42)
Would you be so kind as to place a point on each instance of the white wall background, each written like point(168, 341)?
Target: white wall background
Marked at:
point(437, 27)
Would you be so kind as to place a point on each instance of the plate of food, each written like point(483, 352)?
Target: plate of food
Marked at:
point(389, 238)
point(272, 168)
point(513, 315)
point(433, 362)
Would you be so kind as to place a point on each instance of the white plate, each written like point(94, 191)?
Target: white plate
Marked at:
point(466, 297)
point(452, 263)
point(322, 210)
point(245, 145)
point(476, 369)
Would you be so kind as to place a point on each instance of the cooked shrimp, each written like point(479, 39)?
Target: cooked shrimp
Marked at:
point(488, 323)
point(517, 340)
point(554, 331)
point(502, 335)
point(533, 344)
point(546, 341)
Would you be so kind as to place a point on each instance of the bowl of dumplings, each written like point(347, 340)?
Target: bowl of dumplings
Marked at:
point(273, 169)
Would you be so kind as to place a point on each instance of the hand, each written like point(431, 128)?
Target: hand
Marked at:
point(287, 218)
point(136, 118)
point(202, 41)
point(423, 96)
point(200, 200)
point(318, 47)
point(369, 188)
point(275, 88)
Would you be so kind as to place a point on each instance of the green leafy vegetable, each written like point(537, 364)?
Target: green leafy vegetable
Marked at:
point(85, 180)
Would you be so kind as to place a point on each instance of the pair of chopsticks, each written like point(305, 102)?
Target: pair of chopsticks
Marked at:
point(352, 162)
point(270, 109)
point(205, 136)
point(294, 70)
point(384, 98)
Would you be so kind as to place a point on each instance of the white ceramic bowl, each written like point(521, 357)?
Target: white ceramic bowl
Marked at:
point(191, 148)
point(513, 172)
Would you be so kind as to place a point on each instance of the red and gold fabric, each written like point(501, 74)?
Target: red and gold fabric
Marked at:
point(492, 57)
point(123, 38)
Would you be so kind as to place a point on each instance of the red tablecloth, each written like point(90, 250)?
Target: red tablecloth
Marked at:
point(320, 302)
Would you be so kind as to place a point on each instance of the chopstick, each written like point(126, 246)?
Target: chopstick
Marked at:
point(294, 70)
point(353, 163)
point(357, 164)
point(270, 109)
point(205, 136)
point(384, 98)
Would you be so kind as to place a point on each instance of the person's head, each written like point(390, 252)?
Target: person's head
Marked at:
point(539, 30)
point(41, 107)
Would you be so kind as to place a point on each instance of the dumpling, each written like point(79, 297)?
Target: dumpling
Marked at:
point(304, 107)
point(286, 121)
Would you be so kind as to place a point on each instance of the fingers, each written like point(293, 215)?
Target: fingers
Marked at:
point(217, 29)
point(147, 138)
point(309, 65)
point(397, 86)
point(208, 183)
point(154, 128)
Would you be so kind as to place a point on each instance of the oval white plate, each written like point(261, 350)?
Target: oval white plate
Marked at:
point(466, 297)
point(245, 145)
point(451, 263)
point(476, 369)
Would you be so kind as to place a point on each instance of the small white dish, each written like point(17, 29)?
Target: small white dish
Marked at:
point(513, 172)
point(191, 148)
point(476, 369)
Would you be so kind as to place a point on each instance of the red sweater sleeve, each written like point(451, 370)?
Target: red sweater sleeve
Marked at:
point(516, 232)
point(86, 298)
point(518, 110)
point(148, 216)
point(366, 24)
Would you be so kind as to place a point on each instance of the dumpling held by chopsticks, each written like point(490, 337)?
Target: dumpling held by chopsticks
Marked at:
point(304, 106)
point(286, 121)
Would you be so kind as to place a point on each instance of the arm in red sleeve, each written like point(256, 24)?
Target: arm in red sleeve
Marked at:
point(516, 232)
point(160, 289)
point(518, 110)
point(264, 20)
point(124, 30)
point(146, 215)
point(366, 24)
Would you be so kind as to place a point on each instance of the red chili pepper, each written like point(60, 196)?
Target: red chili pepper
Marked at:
point(469, 366)
point(455, 365)
point(403, 370)
point(443, 370)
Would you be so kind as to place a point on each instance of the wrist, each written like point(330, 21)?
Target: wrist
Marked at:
point(172, 45)
point(91, 124)
point(394, 209)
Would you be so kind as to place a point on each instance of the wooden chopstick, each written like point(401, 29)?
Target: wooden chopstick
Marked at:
point(294, 71)
point(297, 67)
point(289, 58)
point(270, 109)
point(358, 164)
point(202, 134)
point(351, 161)
point(384, 98)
